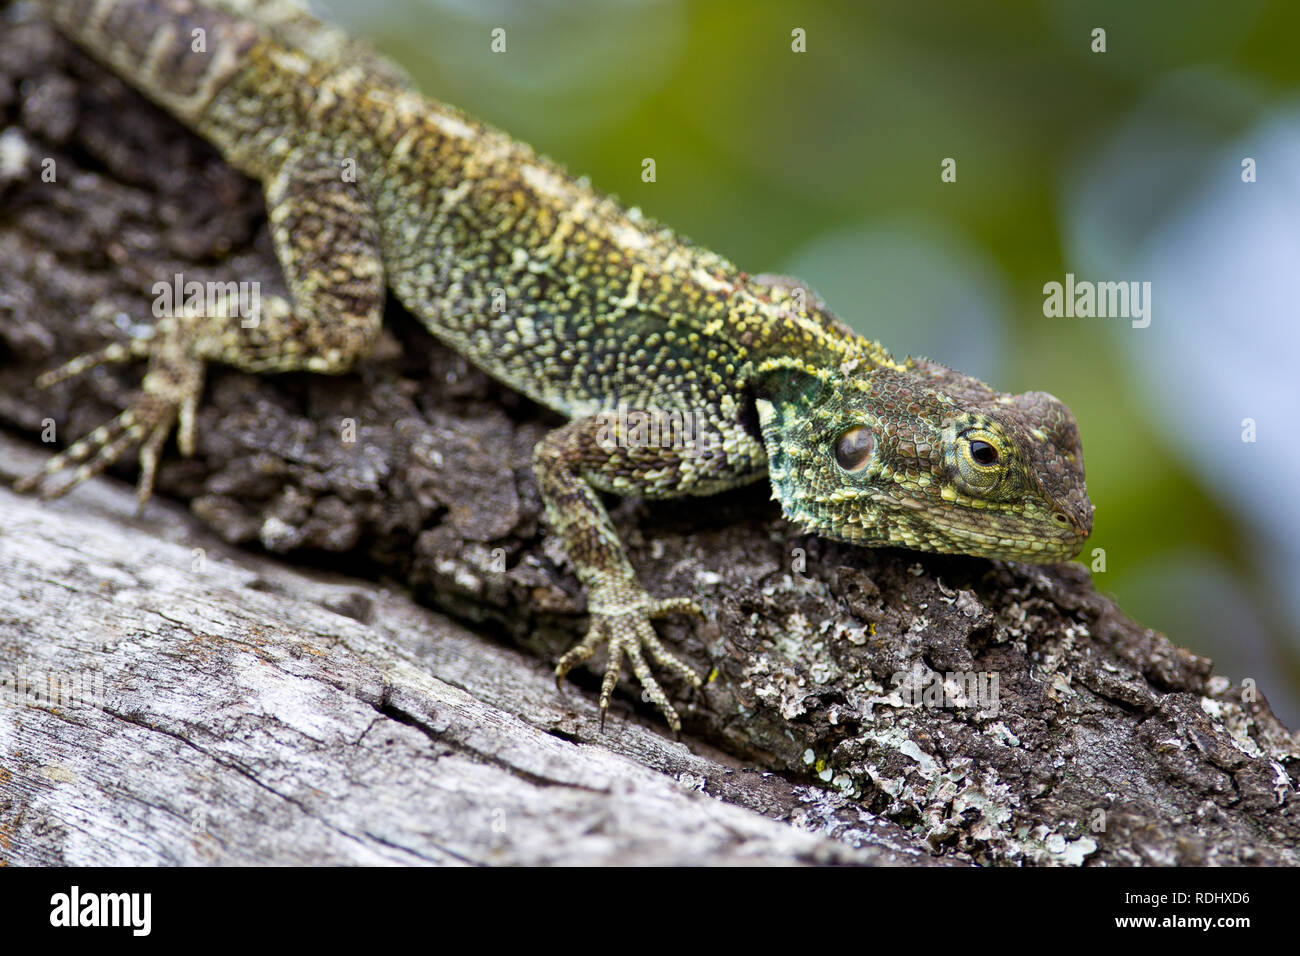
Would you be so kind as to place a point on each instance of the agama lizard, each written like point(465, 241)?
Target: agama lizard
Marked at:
point(585, 306)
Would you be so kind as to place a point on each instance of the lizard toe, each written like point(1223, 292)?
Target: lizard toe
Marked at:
point(667, 606)
point(116, 354)
point(583, 651)
point(92, 454)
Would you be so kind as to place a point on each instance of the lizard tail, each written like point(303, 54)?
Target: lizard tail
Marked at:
point(179, 53)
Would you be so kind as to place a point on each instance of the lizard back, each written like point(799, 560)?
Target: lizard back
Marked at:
point(556, 290)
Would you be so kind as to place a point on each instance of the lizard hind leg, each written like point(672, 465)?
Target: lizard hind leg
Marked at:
point(327, 242)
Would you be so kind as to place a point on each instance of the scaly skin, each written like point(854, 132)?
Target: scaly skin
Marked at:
point(587, 307)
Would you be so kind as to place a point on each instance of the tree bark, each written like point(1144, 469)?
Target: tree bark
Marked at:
point(1087, 739)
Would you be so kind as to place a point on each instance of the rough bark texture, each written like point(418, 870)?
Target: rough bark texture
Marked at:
point(1105, 744)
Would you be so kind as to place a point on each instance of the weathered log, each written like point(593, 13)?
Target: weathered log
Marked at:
point(177, 700)
point(1089, 738)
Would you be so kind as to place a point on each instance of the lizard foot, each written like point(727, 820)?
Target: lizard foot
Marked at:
point(171, 391)
point(629, 633)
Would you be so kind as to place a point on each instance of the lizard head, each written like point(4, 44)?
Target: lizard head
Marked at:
point(919, 456)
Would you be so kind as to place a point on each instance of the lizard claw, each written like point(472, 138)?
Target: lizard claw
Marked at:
point(172, 386)
point(629, 633)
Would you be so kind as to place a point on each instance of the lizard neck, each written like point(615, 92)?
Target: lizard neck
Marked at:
point(784, 326)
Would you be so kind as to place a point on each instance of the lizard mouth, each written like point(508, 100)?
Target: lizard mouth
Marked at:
point(1012, 540)
point(1034, 547)
point(983, 535)
point(1038, 538)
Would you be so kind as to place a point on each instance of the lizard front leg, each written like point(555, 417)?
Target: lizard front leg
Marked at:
point(571, 464)
point(327, 242)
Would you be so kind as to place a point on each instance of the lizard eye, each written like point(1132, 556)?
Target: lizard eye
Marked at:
point(983, 453)
point(853, 448)
point(979, 462)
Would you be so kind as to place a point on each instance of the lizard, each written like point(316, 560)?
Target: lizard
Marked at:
point(585, 306)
